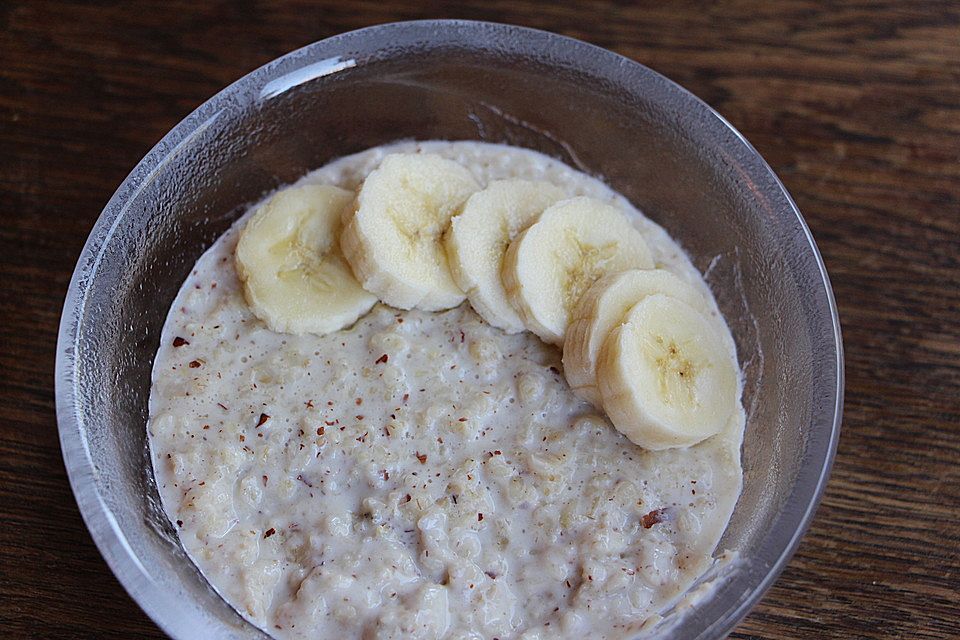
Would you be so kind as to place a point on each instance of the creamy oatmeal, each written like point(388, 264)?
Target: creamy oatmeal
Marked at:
point(421, 475)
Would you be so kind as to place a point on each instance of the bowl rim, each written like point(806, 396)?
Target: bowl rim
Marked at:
point(151, 597)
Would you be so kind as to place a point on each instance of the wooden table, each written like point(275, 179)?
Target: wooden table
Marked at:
point(857, 108)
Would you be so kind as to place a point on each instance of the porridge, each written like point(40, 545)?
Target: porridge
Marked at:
point(421, 473)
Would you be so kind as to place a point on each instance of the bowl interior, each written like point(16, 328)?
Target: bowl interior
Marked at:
point(672, 156)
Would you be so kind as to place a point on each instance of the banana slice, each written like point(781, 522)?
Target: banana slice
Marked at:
point(394, 240)
point(666, 377)
point(478, 238)
point(604, 306)
point(294, 277)
point(572, 245)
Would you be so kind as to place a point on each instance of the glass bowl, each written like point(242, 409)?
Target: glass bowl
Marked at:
point(673, 156)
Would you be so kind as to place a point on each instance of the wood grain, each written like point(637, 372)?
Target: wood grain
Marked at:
point(855, 104)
